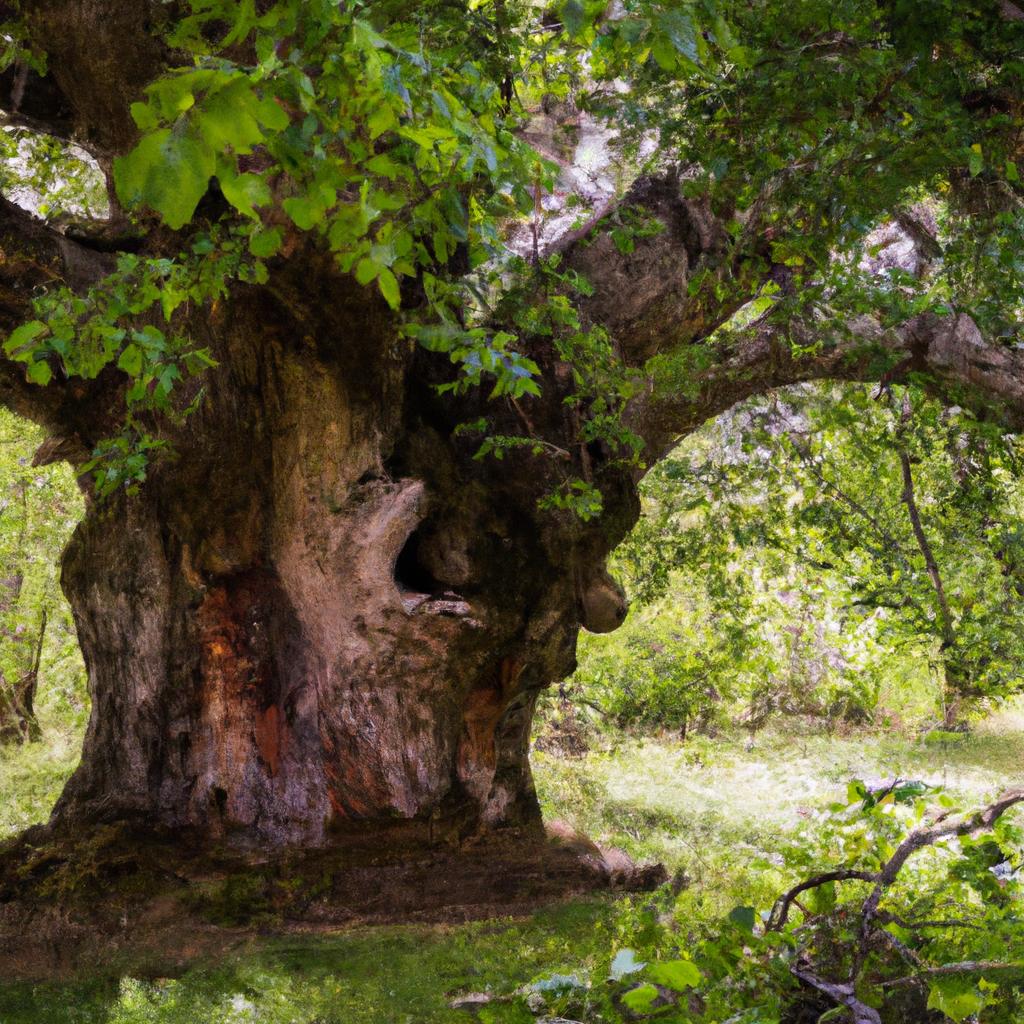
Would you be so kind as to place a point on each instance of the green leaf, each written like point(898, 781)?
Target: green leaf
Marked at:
point(679, 29)
point(144, 116)
point(381, 119)
point(975, 161)
point(245, 192)
point(388, 284)
point(130, 360)
point(640, 999)
point(39, 372)
point(743, 918)
point(957, 998)
point(22, 335)
point(265, 244)
point(226, 120)
point(169, 171)
point(574, 17)
point(271, 114)
point(678, 975)
point(305, 211)
point(366, 271)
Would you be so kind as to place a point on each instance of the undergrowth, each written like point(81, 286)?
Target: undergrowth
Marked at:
point(719, 815)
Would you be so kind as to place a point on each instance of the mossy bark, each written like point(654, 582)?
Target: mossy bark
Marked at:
point(322, 615)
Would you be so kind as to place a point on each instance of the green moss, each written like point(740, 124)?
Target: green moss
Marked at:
point(239, 899)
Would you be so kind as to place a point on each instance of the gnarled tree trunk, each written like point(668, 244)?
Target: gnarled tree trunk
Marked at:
point(322, 615)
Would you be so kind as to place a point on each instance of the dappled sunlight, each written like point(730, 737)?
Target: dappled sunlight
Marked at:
point(658, 797)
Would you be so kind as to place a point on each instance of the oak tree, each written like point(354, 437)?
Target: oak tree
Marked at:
point(353, 472)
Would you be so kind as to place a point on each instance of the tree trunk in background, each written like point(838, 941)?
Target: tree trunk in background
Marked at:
point(18, 722)
point(323, 617)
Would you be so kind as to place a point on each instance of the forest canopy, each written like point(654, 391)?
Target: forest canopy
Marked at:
point(406, 145)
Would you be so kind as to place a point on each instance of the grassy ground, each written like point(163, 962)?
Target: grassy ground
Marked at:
point(31, 777)
point(708, 809)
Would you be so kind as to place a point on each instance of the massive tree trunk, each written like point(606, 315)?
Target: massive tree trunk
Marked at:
point(321, 616)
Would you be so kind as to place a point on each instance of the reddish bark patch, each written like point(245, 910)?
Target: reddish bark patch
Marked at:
point(484, 708)
point(354, 790)
point(270, 737)
point(240, 721)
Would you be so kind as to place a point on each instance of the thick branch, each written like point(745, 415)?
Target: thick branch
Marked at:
point(964, 967)
point(670, 293)
point(923, 544)
point(100, 55)
point(927, 836)
point(950, 350)
point(841, 993)
point(34, 257)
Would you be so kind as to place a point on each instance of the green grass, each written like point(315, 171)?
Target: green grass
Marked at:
point(710, 806)
point(32, 776)
point(403, 975)
point(706, 808)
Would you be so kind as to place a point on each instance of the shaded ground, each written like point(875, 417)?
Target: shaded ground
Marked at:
point(116, 902)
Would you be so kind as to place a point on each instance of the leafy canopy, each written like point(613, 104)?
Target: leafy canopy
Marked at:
point(393, 135)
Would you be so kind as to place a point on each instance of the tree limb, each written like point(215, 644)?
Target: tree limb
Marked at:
point(780, 912)
point(841, 993)
point(100, 56)
point(965, 967)
point(34, 257)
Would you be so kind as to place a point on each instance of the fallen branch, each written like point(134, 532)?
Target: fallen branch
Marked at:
point(780, 912)
point(965, 967)
point(943, 826)
point(841, 993)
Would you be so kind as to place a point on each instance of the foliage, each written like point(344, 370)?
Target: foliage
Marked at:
point(38, 509)
point(957, 902)
point(392, 137)
point(776, 566)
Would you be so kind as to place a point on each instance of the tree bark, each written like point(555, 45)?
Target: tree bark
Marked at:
point(323, 613)
point(323, 617)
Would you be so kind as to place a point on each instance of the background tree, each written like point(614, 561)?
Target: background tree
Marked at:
point(783, 550)
point(38, 510)
point(307, 608)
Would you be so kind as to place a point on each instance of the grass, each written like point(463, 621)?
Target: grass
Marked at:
point(707, 808)
point(710, 806)
point(398, 975)
point(32, 776)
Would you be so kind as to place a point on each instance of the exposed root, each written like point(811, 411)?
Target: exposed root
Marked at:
point(118, 900)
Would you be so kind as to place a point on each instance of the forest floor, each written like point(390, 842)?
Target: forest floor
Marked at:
point(714, 811)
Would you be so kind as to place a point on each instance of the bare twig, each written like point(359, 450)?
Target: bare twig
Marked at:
point(965, 967)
